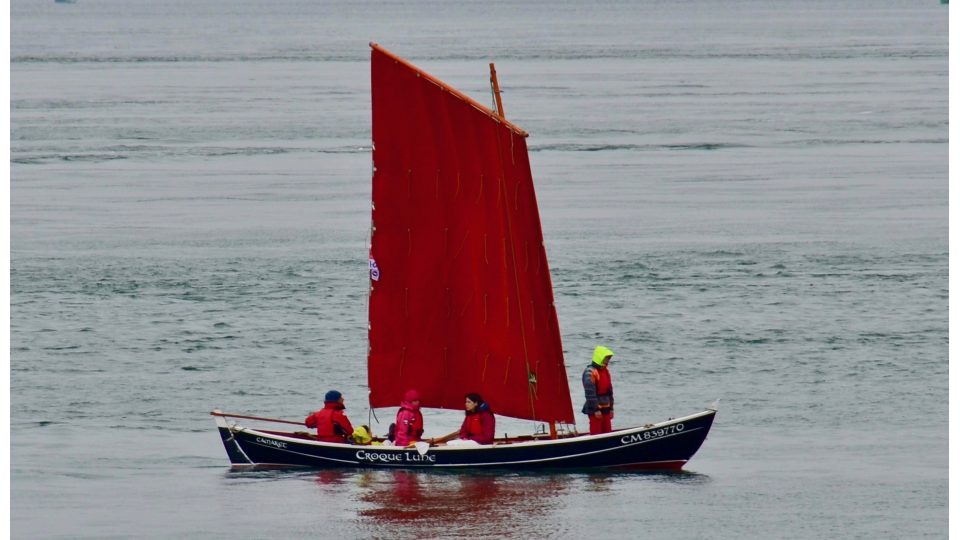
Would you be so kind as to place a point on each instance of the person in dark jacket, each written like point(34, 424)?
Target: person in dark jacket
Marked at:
point(479, 424)
point(598, 390)
point(332, 425)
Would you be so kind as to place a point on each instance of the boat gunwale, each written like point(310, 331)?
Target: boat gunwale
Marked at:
point(521, 444)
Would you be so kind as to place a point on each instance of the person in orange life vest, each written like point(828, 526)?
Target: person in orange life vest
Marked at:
point(479, 424)
point(409, 420)
point(332, 425)
point(598, 390)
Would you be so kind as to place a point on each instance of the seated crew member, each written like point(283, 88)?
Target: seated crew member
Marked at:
point(361, 435)
point(479, 423)
point(409, 426)
point(332, 425)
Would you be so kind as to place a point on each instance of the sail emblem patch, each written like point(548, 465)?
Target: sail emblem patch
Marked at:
point(374, 271)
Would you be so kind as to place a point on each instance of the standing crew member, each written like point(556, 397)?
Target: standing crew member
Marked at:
point(332, 425)
point(409, 427)
point(598, 390)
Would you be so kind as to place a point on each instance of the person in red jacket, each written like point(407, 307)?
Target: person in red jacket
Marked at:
point(479, 424)
point(332, 425)
point(409, 426)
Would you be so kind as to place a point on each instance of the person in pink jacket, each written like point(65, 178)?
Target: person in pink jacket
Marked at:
point(409, 426)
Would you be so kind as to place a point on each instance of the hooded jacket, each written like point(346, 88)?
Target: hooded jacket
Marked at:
point(409, 424)
point(332, 425)
point(479, 425)
point(597, 386)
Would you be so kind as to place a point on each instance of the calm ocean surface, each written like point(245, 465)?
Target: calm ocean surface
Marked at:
point(746, 200)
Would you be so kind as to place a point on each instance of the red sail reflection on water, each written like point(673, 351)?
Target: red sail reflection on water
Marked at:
point(442, 504)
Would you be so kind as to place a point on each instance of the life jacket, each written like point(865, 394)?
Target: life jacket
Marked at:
point(604, 386)
point(479, 425)
point(472, 427)
point(332, 425)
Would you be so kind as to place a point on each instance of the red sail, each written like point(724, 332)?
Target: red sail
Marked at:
point(461, 299)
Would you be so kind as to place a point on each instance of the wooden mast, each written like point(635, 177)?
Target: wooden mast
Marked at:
point(495, 88)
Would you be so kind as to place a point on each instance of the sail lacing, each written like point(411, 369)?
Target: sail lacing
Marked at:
point(531, 382)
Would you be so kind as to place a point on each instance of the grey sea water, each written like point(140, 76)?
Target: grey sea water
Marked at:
point(746, 200)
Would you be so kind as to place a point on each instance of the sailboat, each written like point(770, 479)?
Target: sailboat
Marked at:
point(461, 298)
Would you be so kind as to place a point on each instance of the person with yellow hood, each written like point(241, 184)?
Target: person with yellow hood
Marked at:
point(598, 390)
